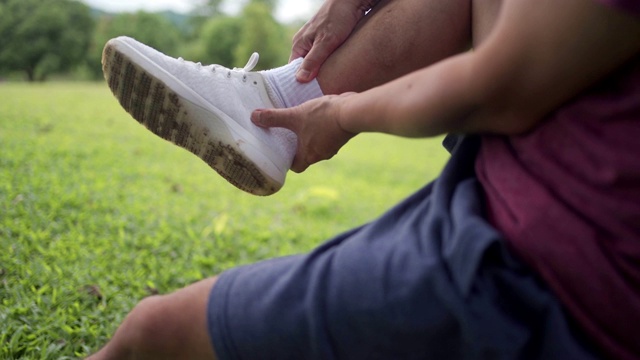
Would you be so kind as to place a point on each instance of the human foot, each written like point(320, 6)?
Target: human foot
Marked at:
point(204, 109)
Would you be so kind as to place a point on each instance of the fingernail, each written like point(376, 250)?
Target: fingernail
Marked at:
point(303, 74)
point(255, 116)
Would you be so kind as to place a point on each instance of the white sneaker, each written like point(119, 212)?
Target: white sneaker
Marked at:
point(204, 109)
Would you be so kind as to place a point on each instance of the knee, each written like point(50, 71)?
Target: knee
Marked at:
point(169, 326)
point(149, 330)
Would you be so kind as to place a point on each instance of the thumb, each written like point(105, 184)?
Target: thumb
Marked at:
point(307, 71)
point(312, 62)
point(268, 118)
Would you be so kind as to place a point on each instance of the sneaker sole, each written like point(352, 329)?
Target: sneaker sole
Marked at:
point(153, 103)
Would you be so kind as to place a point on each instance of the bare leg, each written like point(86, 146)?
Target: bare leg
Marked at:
point(394, 39)
point(172, 326)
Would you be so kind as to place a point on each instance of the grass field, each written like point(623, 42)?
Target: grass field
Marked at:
point(97, 213)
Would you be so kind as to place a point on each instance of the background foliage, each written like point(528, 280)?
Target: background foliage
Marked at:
point(40, 38)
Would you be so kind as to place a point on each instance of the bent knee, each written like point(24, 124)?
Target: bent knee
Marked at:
point(150, 329)
point(173, 325)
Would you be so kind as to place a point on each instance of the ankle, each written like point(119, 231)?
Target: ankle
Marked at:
point(285, 90)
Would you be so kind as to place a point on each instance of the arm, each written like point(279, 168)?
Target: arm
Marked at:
point(541, 54)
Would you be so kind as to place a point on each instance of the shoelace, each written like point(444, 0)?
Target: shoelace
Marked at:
point(253, 61)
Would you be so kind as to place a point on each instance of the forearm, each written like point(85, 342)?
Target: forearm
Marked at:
point(432, 101)
point(529, 66)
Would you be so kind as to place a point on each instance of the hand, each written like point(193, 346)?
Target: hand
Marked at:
point(316, 124)
point(324, 33)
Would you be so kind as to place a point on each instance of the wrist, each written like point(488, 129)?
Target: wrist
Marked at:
point(349, 118)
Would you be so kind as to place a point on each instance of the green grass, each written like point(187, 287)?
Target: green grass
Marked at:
point(97, 213)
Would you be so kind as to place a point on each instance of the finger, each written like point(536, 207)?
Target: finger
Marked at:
point(268, 118)
point(306, 157)
point(294, 56)
point(299, 165)
point(299, 49)
point(297, 52)
point(301, 45)
point(314, 60)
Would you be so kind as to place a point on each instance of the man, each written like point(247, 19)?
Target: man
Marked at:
point(526, 246)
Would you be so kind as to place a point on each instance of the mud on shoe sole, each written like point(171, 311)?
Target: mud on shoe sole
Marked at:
point(153, 104)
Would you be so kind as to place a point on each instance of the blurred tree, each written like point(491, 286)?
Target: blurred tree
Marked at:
point(262, 33)
point(270, 4)
point(220, 38)
point(152, 29)
point(202, 12)
point(40, 37)
point(230, 40)
point(212, 7)
point(205, 10)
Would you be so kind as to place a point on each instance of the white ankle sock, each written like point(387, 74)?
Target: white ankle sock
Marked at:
point(286, 91)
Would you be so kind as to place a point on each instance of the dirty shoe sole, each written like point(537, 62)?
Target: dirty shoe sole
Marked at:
point(171, 110)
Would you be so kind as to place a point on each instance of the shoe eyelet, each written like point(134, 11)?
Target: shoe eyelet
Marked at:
point(244, 78)
point(229, 74)
point(255, 83)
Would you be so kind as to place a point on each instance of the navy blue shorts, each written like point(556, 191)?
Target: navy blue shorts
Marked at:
point(430, 279)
